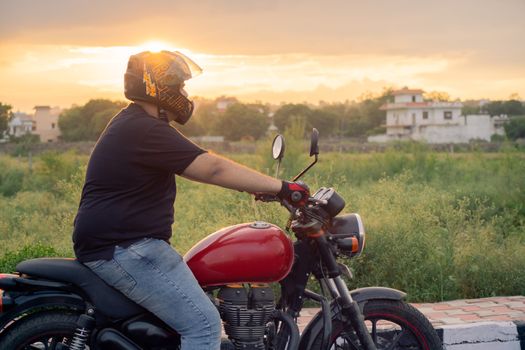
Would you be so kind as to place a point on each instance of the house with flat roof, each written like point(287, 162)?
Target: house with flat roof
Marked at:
point(410, 117)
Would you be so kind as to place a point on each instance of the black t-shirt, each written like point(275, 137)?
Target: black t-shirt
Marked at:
point(130, 184)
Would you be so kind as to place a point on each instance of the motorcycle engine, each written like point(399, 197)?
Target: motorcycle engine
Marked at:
point(245, 313)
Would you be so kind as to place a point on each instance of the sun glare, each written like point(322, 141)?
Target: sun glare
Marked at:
point(154, 46)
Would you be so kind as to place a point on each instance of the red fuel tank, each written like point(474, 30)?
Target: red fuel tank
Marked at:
point(255, 252)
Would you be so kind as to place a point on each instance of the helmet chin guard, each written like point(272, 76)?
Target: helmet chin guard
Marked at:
point(158, 78)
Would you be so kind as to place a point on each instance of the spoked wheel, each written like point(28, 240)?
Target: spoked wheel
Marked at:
point(393, 325)
point(41, 331)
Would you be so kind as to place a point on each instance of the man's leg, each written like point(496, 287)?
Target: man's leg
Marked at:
point(153, 274)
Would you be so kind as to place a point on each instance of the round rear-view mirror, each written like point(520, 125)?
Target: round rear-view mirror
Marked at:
point(314, 147)
point(278, 147)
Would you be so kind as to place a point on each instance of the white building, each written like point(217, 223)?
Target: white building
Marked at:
point(20, 124)
point(224, 102)
point(409, 117)
point(44, 123)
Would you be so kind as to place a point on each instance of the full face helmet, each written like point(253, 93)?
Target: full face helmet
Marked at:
point(158, 78)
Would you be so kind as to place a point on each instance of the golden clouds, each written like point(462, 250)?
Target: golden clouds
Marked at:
point(35, 72)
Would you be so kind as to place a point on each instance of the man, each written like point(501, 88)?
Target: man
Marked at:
point(123, 224)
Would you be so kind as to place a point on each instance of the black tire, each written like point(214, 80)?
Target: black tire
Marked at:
point(41, 330)
point(395, 322)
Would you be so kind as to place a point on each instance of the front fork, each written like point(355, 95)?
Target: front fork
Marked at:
point(339, 291)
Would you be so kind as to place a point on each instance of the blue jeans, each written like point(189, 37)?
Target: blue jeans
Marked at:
point(151, 273)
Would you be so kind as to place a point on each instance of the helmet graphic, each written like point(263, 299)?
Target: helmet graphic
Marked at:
point(158, 78)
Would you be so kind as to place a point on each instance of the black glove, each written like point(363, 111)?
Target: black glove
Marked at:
point(295, 193)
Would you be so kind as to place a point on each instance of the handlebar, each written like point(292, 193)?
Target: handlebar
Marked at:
point(266, 197)
point(312, 217)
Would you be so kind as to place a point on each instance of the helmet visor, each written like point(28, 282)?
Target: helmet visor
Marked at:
point(180, 69)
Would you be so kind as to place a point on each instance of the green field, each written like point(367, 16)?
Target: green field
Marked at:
point(439, 226)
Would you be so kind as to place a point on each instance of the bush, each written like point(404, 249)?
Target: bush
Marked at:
point(433, 245)
point(11, 179)
point(439, 226)
point(11, 258)
point(515, 129)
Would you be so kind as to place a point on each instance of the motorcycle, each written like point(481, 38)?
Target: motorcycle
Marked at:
point(59, 304)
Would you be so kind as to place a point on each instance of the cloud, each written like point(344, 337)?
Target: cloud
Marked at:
point(98, 71)
point(404, 27)
point(256, 48)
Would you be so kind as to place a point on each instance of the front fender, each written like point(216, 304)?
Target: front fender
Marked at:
point(361, 296)
point(27, 304)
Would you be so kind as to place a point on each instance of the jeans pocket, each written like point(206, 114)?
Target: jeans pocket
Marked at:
point(119, 278)
point(112, 272)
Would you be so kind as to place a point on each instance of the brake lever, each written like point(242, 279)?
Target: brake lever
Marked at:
point(288, 206)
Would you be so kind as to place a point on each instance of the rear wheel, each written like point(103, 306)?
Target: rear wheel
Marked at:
point(393, 325)
point(40, 331)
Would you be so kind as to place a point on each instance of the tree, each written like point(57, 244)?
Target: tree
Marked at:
point(204, 119)
point(513, 107)
point(494, 108)
point(5, 116)
point(287, 113)
point(83, 123)
point(339, 111)
point(515, 128)
point(510, 107)
point(243, 121)
point(325, 121)
point(471, 107)
point(367, 114)
point(439, 96)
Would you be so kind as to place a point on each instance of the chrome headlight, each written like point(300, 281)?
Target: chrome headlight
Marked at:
point(349, 233)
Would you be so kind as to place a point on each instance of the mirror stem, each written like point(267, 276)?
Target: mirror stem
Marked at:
point(297, 177)
point(277, 171)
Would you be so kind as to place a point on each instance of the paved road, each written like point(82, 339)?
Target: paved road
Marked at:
point(460, 311)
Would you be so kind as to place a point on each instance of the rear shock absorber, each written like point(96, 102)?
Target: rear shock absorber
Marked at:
point(85, 325)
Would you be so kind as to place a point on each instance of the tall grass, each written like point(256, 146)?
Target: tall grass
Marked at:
point(439, 226)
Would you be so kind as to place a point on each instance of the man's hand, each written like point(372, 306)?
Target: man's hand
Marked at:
point(295, 193)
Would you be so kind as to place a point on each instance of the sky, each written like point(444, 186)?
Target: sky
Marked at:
point(65, 52)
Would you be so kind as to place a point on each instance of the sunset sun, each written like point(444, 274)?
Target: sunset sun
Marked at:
point(155, 46)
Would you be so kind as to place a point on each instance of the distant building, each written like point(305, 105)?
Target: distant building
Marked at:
point(20, 124)
point(272, 129)
point(409, 117)
point(224, 102)
point(46, 120)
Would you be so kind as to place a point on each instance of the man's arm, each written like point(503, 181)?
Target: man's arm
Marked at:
point(213, 169)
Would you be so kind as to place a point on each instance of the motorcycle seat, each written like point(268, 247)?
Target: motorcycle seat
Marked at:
point(105, 298)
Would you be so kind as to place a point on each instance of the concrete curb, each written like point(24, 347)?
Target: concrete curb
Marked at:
point(484, 336)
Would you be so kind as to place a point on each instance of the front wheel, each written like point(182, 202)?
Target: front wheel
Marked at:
point(393, 325)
